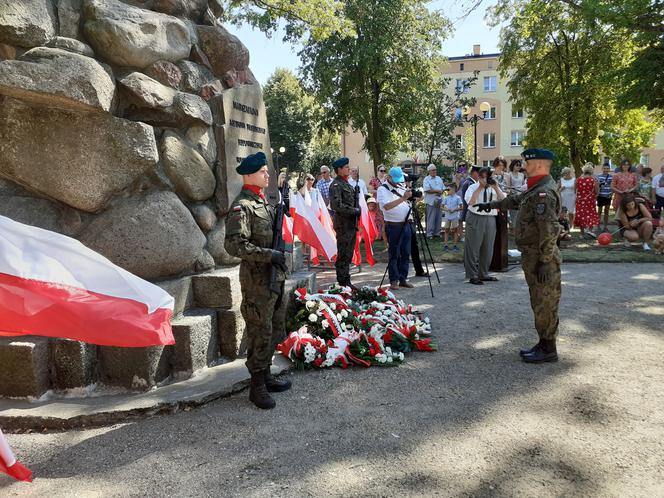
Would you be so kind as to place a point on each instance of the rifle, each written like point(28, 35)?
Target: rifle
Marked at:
point(278, 242)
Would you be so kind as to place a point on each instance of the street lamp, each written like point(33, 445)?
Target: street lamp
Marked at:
point(475, 118)
point(282, 149)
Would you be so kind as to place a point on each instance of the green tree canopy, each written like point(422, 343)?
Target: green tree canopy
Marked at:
point(292, 116)
point(559, 64)
point(376, 80)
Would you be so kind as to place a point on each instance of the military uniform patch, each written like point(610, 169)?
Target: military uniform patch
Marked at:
point(237, 209)
point(540, 208)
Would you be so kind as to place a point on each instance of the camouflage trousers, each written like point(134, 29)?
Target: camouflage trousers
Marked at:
point(346, 237)
point(544, 298)
point(265, 319)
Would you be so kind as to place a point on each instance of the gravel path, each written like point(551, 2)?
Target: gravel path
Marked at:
point(469, 420)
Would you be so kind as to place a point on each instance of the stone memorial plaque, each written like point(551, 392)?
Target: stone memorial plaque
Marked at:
point(241, 129)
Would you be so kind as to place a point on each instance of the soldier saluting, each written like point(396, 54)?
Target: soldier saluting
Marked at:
point(249, 230)
point(536, 231)
point(344, 203)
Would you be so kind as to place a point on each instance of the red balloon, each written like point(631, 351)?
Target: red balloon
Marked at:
point(604, 239)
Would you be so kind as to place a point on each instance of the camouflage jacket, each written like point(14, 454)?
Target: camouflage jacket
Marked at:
point(249, 230)
point(536, 226)
point(342, 202)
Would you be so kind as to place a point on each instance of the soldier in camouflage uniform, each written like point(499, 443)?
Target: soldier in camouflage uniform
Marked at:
point(346, 214)
point(249, 229)
point(536, 231)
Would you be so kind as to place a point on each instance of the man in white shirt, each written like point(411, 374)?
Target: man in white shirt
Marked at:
point(433, 198)
point(480, 228)
point(658, 185)
point(392, 197)
point(354, 179)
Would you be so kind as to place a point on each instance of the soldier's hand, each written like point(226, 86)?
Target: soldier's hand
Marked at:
point(408, 194)
point(278, 259)
point(543, 273)
point(483, 206)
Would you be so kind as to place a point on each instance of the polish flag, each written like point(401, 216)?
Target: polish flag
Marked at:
point(8, 463)
point(312, 227)
point(52, 285)
point(367, 232)
point(287, 230)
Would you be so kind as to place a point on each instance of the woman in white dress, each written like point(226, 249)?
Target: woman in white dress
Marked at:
point(515, 181)
point(567, 189)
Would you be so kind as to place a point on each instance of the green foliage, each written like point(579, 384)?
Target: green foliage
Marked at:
point(323, 150)
point(560, 65)
point(632, 133)
point(376, 81)
point(320, 18)
point(292, 117)
point(434, 134)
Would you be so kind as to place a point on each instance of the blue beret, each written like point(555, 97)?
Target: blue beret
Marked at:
point(538, 154)
point(340, 163)
point(251, 164)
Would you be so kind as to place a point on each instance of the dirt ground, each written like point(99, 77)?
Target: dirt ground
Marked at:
point(469, 420)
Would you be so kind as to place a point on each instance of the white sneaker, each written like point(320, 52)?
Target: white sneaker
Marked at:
point(646, 247)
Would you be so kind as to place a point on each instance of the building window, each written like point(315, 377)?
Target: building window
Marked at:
point(461, 66)
point(517, 113)
point(487, 163)
point(645, 159)
point(489, 83)
point(489, 140)
point(458, 141)
point(490, 64)
point(492, 113)
point(462, 86)
point(517, 138)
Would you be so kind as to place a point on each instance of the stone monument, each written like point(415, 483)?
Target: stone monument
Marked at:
point(121, 124)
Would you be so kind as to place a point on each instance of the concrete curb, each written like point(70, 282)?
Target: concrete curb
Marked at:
point(208, 385)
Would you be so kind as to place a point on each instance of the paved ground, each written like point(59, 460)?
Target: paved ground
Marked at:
point(470, 420)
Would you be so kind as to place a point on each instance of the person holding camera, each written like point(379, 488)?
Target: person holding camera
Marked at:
point(480, 228)
point(344, 202)
point(393, 199)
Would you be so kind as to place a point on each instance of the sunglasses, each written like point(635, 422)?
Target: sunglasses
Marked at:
point(381, 171)
point(310, 179)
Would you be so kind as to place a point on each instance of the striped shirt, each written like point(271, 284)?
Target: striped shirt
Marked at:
point(605, 185)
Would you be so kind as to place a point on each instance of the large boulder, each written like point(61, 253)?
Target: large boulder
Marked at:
point(151, 236)
point(27, 23)
point(194, 76)
point(202, 137)
point(224, 51)
point(72, 45)
point(186, 168)
point(80, 159)
point(192, 9)
point(58, 78)
point(69, 18)
point(148, 100)
point(37, 212)
point(131, 36)
point(165, 73)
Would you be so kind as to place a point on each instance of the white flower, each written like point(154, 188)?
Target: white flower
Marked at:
point(333, 306)
point(389, 359)
point(401, 356)
point(426, 319)
point(344, 313)
point(313, 318)
point(310, 305)
point(388, 350)
point(325, 324)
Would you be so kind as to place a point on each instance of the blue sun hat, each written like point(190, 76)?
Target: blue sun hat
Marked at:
point(396, 173)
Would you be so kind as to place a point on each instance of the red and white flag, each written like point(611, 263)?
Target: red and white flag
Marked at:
point(9, 465)
point(52, 285)
point(367, 232)
point(312, 227)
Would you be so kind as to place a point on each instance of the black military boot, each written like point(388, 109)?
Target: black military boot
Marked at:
point(258, 394)
point(275, 385)
point(524, 351)
point(544, 353)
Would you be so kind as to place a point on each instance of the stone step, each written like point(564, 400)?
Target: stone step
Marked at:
point(24, 366)
point(196, 341)
point(218, 288)
point(73, 364)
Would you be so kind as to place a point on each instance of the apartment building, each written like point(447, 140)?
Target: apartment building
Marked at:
point(500, 133)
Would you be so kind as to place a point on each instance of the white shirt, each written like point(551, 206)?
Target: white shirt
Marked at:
point(384, 196)
point(490, 196)
point(360, 182)
point(433, 183)
point(659, 191)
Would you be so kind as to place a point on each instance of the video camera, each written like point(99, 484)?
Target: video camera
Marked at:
point(417, 194)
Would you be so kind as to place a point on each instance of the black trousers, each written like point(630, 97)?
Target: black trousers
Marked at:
point(415, 254)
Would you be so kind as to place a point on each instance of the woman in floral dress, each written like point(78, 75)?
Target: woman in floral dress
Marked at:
point(623, 183)
point(587, 188)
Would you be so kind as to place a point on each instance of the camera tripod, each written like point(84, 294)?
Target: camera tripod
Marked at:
point(422, 243)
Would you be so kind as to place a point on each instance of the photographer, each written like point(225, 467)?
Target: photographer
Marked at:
point(480, 228)
point(393, 200)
